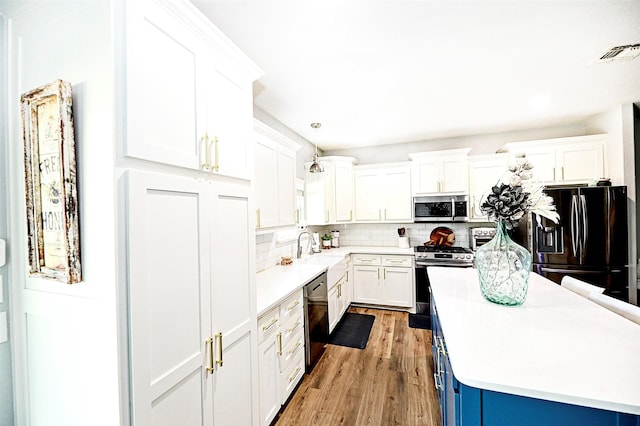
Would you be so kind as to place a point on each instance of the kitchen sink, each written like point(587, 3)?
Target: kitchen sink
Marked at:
point(336, 266)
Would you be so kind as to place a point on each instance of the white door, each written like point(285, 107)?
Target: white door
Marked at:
point(544, 164)
point(164, 104)
point(266, 181)
point(366, 284)
point(397, 288)
point(229, 122)
point(454, 175)
point(368, 196)
point(286, 186)
point(233, 306)
point(483, 175)
point(344, 192)
point(169, 299)
point(269, 371)
point(396, 184)
point(580, 162)
point(426, 177)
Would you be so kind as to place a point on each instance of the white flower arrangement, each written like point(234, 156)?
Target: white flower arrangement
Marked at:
point(509, 202)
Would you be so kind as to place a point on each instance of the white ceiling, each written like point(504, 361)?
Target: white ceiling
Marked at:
point(380, 72)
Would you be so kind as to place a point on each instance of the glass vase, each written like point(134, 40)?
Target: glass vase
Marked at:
point(503, 269)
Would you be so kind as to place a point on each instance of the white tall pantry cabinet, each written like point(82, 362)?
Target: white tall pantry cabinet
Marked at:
point(190, 220)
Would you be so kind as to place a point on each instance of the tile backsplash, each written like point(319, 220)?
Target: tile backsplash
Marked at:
point(271, 247)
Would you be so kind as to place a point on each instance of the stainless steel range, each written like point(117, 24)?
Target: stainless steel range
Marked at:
point(454, 257)
point(443, 256)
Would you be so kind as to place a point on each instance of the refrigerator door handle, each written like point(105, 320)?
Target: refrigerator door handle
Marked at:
point(570, 271)
point(574, 228)
point(585, 227)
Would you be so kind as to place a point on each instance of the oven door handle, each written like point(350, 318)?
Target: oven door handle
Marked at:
point(446, 264)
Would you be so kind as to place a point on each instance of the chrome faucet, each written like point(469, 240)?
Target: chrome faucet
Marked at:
point(300, 247)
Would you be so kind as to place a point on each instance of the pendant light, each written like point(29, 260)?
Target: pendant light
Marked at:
point(316, 167)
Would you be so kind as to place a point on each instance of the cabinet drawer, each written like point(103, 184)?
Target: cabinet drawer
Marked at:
point(397, 261)
point(366, 259)
point(290, 378)
point(291, 307)
point(268, 324)
point(291, 328)
point(291, 351)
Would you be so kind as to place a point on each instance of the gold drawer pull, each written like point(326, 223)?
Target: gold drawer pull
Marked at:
point(209, 347)
point(294, 375)
point(219, 343)
point(279, 335)
point(294, 327)
point(293, 305)
point(295, 347)
point(268, 326)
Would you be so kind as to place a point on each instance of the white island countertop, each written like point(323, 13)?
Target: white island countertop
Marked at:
point(273, 285)
point(557, 346)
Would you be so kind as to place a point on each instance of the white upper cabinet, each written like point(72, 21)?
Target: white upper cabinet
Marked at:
point(485, 171)
point(274, 181)
point(189, 91)
point(329, 195)
point(576, 159)
point(438, 172)
point(383, 193)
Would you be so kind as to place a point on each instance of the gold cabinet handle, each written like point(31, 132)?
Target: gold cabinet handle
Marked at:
point(554, 173)
point(294, 348)
point(219, 345)
point(562, 172)
point(378, 273)
point(293, 305)
point(204, 141)
point(209, 347)
point(215, 166)
point(384, 270)
point(290, 329)
point(297, 215)
point(294, 375)
point(257, 218)
point(347, 275)
point(271, 323)
point(385, 214)
point(279, 336)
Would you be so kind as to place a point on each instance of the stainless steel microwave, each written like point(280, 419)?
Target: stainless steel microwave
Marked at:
point(441, 208)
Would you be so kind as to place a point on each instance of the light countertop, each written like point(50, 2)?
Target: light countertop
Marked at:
point(557, 346)
point(275, 284)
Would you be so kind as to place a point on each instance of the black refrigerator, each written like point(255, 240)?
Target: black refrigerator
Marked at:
point(589, 243)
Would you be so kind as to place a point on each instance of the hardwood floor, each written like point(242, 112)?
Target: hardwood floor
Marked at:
point(390, 382)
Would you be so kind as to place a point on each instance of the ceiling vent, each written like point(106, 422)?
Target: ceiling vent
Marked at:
point(621, 53)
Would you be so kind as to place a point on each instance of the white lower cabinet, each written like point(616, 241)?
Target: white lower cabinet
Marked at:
point(192, 309)
point(339, 300)
point(281, 354)
point(383, 280)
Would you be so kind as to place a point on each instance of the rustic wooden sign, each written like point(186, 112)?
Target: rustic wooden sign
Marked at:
point(50, 183)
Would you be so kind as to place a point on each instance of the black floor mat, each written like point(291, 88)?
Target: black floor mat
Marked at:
point(353, 330)
point(420, 321)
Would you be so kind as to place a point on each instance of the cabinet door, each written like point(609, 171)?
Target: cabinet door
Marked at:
point(367, 195)
point(266, 182)
point(426, 177)
point(366, 284)
point(269, 377)
point(333, 307)
point(344, 192)
point(319, 196)
point(164, 90)
point(397, 194)
point(397, 289)
point(233, 306)
point(580, 162)
point(483, 175)
point(286, 187)
point(544, 164)
point(169, 299)
point(454, 175)
point(229, 121)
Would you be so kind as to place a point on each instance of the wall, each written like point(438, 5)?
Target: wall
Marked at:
point(618, 124)
point(480, 144)
point(66, 347)
point(6, 389)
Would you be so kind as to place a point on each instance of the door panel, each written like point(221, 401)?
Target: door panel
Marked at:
point(169, 296)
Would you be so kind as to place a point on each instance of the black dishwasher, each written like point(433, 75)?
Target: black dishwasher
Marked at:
point(316, 319)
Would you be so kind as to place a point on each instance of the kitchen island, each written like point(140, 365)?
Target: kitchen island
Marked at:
point(557, 359)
